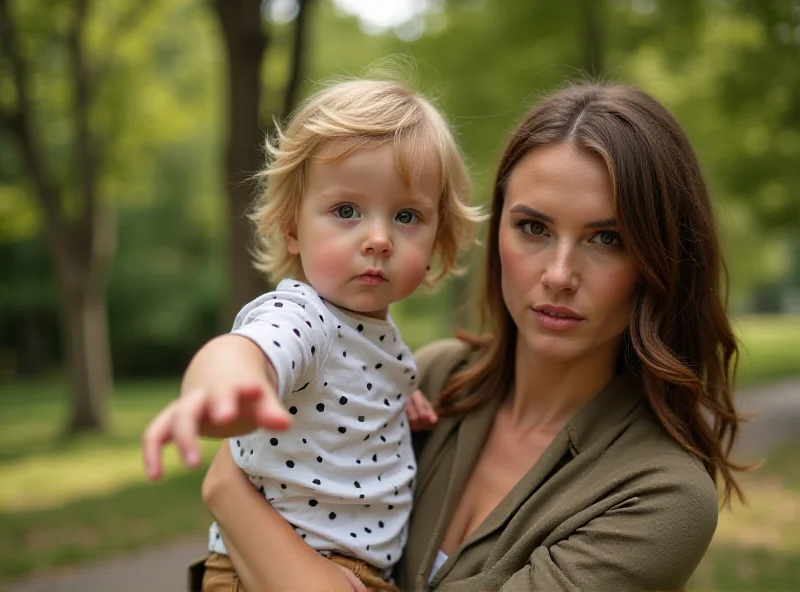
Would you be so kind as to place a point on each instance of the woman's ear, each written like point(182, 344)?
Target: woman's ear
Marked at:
point(291, 238)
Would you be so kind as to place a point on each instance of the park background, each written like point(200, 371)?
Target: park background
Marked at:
point(129, 130)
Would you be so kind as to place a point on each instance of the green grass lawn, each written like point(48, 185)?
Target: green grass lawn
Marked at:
point(756, 546)
point(68, 501)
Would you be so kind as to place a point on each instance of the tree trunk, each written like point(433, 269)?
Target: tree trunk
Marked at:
point(245, 43)
point(594, 40)
point(87, 341)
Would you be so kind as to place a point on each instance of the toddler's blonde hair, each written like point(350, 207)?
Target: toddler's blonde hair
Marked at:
point(363, 114)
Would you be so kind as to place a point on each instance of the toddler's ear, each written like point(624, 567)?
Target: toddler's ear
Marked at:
point(292, 241)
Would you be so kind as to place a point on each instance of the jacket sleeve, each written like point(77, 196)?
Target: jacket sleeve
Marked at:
point(653, 540)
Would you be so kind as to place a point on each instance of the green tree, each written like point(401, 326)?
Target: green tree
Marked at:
point(79, 227)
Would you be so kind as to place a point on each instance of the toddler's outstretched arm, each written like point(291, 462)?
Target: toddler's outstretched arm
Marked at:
point(229, 388)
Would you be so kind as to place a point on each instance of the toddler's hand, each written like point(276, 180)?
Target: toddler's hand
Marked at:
point(421, 415)
point(212, 412)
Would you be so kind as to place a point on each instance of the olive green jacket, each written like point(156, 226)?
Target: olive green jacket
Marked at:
point(613, 504)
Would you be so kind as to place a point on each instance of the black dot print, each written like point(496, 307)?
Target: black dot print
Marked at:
point(283, 485)
point(320, 407)
point(276, 344)
point(388, 556)
point(360, 328)
point(361, 418)
point(380, 523)
point(399, 356)
point(324, 384)
point(343, 400)
point(276, 326)
point(297, 285)
point(278, 304)
point(410, 468)
point(342, 429)
point(305, 441)
point(292, 364)
point(378, 366)
point(357, 484)
point(364, 367)
point(369, 386)
point(313, 503)
point(352, 534)
point(383, 438)
point(374, 458)
point(293, 410)
point(367, 530)
point(313, 349)
point(361, 497)
point(399, 396)
point(308, 323)
point(367, 547)
point(319, 459)
point(273, 441)
point(366, 437)
point(332, 515)
point(290, 464)
point(296, 331)
point(344, 354)
point(321, 319)
point(391, 507)
point(386, 402)
point(413, 376)
point(318, 482)
point(382, 337)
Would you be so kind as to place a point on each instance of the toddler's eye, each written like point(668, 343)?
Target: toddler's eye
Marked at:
point(345, 211)
point(405, 217)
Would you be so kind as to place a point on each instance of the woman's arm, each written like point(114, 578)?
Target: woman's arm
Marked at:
point(653, 540)
point(266, 551)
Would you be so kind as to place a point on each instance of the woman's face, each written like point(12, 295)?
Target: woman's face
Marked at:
point(567, 280)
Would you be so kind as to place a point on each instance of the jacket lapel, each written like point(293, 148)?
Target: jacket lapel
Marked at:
point(471, 434)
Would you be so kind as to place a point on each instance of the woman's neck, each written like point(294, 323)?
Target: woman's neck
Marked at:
point(547, 393)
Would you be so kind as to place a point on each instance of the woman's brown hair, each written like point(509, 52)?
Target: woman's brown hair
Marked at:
point(679, 342)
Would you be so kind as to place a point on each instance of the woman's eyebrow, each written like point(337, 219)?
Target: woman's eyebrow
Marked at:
point(528, 211)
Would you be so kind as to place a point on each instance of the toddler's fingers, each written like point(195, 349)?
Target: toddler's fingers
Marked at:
point(190, 410)
point(157, 433)
point(270, 412)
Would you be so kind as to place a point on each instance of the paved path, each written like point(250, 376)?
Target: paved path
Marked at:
point(777, 409)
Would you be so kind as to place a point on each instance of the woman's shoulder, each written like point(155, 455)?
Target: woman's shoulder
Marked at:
point(437, 361)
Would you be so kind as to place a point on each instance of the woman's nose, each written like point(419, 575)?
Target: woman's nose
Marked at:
point(560, 272)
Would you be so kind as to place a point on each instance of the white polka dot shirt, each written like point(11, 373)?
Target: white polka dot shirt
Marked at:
point(343, 475)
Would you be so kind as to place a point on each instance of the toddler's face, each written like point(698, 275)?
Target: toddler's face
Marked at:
point(364, 237)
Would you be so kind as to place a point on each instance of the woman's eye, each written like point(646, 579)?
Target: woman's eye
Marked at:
point(532, 227)
point(607, 238)
point(405, 217)
point(346, 212)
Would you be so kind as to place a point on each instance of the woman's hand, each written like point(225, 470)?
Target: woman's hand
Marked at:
point(265, 550)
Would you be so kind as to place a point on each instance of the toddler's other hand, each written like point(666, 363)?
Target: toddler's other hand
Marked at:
point(421, 416)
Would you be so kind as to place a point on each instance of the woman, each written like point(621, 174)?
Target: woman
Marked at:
point(580, 442)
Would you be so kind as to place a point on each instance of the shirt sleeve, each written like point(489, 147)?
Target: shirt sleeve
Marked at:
point(294, 330)
point(650, 541)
